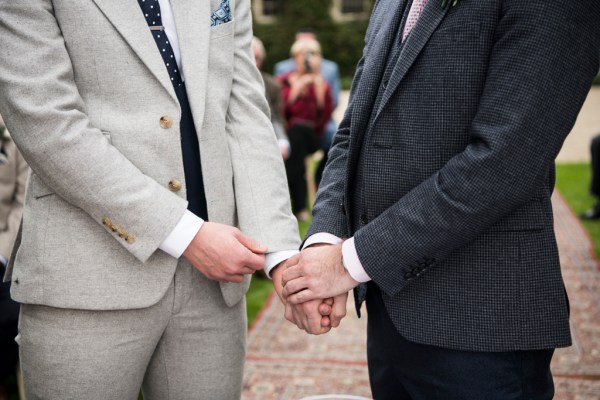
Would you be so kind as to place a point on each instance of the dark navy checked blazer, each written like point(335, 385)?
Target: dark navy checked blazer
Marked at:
point(443, 167)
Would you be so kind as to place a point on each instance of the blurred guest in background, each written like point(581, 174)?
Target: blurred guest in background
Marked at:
point(13, 175)
point(308, 105)
point(331, 73)
point(594, 212)
point(273, 95)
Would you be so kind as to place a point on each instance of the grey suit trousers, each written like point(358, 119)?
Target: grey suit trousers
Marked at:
point(189, 345)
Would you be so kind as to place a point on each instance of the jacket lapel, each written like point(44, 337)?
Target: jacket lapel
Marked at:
point(379, 47)
point(192, 21)
point(127, 18)
point(415, 42)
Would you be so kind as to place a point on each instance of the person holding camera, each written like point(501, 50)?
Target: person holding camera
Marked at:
point(308, 106)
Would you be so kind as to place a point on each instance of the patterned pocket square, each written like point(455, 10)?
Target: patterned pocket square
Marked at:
point(222, 15)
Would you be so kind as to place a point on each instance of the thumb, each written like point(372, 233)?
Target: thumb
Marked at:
point(251, 244)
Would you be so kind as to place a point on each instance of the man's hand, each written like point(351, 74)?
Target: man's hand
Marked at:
point(223, 253)
point(331, 311)
point(313, 317)
point(318, 274)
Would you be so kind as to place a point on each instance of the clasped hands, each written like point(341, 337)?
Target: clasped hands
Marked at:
point(313, 284)
point(314, 287)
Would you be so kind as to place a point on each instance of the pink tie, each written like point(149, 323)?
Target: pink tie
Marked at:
point(413, 15)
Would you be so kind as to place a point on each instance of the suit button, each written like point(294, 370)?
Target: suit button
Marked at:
point(106, 221)
point(130, 239)
point(175, 185)
point(363, 219)
point(166, 122)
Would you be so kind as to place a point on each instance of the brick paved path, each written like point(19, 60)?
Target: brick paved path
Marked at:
point(283, 363)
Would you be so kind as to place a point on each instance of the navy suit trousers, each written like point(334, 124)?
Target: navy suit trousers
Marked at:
point(403, 370)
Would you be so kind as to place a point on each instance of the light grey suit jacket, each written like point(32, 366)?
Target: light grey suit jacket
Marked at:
point(83, 90)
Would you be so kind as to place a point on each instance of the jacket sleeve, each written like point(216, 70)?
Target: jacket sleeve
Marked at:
point(47, 118)
point(261, 192)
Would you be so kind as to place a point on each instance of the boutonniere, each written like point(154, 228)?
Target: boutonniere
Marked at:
point(446, 2)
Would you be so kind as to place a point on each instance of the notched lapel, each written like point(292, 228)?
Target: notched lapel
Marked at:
point(379, 46)
point(127, 18)
point(429, 20)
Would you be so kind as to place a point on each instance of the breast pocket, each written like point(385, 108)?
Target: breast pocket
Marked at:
point(458, 32)
point(222, 30)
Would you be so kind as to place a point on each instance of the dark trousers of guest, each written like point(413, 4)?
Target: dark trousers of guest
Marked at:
point(326, 141)
point(9, 315)
point(403, 370)
point(321, 167)
point(302, 143)
point(595, 149)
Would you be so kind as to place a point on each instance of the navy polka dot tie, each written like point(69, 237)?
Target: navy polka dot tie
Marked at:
point(151, 10)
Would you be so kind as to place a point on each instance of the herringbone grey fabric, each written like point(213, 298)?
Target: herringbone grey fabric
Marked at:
point(443, 167)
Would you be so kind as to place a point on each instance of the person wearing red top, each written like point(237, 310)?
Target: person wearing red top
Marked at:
point(308, 106)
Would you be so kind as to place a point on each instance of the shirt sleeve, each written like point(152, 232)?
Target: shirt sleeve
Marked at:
point(182, 235)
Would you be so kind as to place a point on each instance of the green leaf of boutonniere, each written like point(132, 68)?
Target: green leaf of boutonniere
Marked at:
point(446, 2)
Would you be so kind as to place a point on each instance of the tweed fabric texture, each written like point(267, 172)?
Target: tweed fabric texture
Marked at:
point(190, 345)
point(86, 114)
point(445, 180)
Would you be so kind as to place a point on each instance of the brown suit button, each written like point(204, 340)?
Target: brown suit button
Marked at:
point(166, 122)
point(175, 185)
point(130, 239)
point(106, 221)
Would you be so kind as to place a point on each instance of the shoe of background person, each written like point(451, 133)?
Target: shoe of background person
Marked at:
point(592, 213)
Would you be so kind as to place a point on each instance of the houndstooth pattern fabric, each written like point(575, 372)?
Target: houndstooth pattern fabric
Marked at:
point(444, 179)
point(413, 15)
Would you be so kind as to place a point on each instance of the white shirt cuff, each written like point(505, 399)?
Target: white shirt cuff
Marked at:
point(182, 235)
point(352, 262)
point(321, 237)
point(272, 259)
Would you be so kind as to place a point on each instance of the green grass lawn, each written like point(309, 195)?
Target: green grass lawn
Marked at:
point(573, 182)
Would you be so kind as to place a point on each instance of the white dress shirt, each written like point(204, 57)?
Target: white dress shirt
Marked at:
point(189, 225)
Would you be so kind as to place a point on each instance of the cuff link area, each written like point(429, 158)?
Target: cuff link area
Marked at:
point(122, 233)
